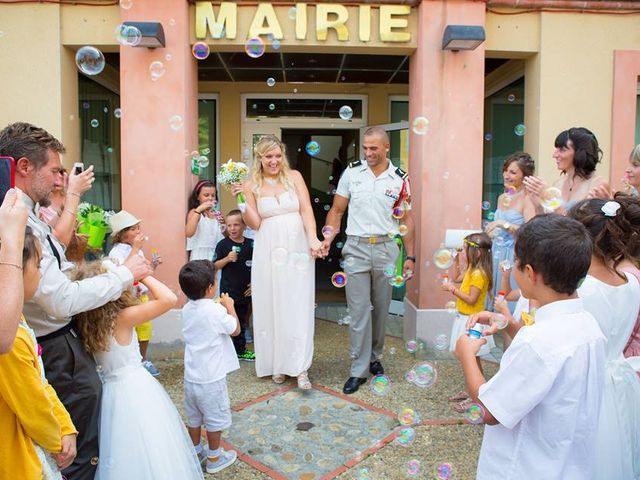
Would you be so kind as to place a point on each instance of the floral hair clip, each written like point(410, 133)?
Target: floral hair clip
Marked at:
point(610, 209)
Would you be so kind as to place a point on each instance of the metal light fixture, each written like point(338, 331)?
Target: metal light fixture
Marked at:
point(152, 33)
point(462, 37)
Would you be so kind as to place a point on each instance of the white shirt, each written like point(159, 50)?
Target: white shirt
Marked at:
point(207, 234)
point(371, 199)
point(209, 353)
point(120, 252)
point(58, 298)
point(546, 397)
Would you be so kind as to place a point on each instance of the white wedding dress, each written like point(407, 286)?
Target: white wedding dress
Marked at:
point(142, 436)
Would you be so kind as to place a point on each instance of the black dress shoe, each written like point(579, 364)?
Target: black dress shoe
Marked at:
point(352, 385)
point(376, 368)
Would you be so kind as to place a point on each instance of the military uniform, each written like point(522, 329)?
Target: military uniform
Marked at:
point(369, 248)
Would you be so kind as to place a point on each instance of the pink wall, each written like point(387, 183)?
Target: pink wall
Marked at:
point(446, 163)
point(626, 70)
point(149, 144)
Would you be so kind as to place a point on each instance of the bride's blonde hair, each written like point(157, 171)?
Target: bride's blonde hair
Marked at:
point(265, 144)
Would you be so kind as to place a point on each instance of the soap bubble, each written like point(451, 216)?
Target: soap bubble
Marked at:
point(275, 44)
point(450, 307)
point(272, 107)
point(491, 216)
point(176, 122)
point(203, 161)
point(412, 346)
point(444, 471)
point(126, 4)
point(200, 50)
point(426, 375)
point(397, 213)
point(345, 112)
point(279, 256)
point(327, 231)
point(128, 35)
point(405, 436)
point(441, 342)
point(248, 263)
point(254, 47)
point(420, 125)
point(520, 129)
point(271, 81)
point(90, 60)
point(397, 281)
point(156, 70)
point(486, 205)
point(292, 13)
point(488, 137)
point(117, 113)
point(551, 198)
point(339, 279)
point(403, 230)
point(380, 384)
point(511, 97)
point(389, 270)
point(313, 148)
point(95, 123)
point(413, 468)
point(474, 414)
point(408, 416)
point(443, 258)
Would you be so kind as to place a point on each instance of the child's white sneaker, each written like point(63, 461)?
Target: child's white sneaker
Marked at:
point(215, 464)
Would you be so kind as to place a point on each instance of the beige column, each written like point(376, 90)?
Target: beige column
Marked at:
point(156, 178)
point(445, 163)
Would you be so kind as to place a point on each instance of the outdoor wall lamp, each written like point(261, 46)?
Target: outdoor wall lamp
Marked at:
point(462, 37)
point(152, 33)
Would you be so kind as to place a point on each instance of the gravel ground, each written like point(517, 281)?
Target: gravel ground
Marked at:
point(456, 444)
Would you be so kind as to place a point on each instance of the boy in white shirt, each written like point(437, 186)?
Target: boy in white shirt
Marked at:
point(208, 356)
point(542, 407)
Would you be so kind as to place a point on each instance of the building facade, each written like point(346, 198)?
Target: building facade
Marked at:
point(545, 66)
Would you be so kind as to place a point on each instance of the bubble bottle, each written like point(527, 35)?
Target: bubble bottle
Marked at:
point(476, 331)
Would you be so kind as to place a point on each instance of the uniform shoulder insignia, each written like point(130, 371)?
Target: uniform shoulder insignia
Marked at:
point(401, 173)
point(357, 163)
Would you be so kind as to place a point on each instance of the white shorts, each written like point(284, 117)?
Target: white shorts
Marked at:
point(207, 404)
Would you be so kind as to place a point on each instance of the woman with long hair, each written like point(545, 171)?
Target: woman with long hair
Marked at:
point(279, 209)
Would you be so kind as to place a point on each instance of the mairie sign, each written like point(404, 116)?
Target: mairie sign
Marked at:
point(219, 20)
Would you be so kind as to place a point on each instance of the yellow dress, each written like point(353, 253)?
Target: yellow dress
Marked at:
point(30, 411)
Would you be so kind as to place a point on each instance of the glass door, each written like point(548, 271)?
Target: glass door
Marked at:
point(252, 133)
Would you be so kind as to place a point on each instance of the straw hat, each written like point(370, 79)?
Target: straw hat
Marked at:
point(120, 221)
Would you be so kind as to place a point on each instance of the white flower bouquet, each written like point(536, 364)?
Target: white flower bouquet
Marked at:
point(234, 172)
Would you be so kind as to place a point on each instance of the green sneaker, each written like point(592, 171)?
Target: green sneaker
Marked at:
point(247, 356)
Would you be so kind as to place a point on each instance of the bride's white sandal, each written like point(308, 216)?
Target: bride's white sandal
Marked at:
point(303, 381)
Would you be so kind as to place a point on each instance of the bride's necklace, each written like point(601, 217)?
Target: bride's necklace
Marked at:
point(271, 181)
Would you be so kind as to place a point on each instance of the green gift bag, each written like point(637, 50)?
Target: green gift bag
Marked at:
point(96, 235)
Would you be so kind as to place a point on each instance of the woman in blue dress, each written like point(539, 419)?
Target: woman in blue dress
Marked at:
point(514, 209)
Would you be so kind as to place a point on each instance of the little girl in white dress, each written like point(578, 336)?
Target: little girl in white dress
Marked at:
point(142, 436)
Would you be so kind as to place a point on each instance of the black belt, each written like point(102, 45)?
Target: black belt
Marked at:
point(68, 328)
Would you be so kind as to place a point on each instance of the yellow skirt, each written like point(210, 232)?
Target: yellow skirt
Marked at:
point(144, 330)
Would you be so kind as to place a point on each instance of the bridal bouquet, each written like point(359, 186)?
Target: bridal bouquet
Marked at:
point(234, 172)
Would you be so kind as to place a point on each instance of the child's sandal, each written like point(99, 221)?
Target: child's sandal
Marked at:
point(278, 378)
point(463, 406)
point(459, 397)
point(303, 381)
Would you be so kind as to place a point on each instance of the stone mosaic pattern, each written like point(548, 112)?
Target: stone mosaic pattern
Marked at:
point(307, 435)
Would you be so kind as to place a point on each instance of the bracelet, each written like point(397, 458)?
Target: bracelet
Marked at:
point(19, 267)
point(411, 257)
point(76, 194)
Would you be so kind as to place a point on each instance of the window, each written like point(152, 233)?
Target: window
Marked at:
point(503, 111)
point(399, 111)
point(301, 107)
point(207, 136)
point(100, 142)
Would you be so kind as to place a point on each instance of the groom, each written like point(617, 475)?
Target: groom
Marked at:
point(371, 189)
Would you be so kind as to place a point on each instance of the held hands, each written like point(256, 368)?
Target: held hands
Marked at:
point(13, 216)
point(81, 183)
point(325, 245)
point(226, 301)
point(467, 346)
point(315, 246)
point(68, 453)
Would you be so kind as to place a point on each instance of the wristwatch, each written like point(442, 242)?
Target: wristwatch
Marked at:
point(412, 258)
